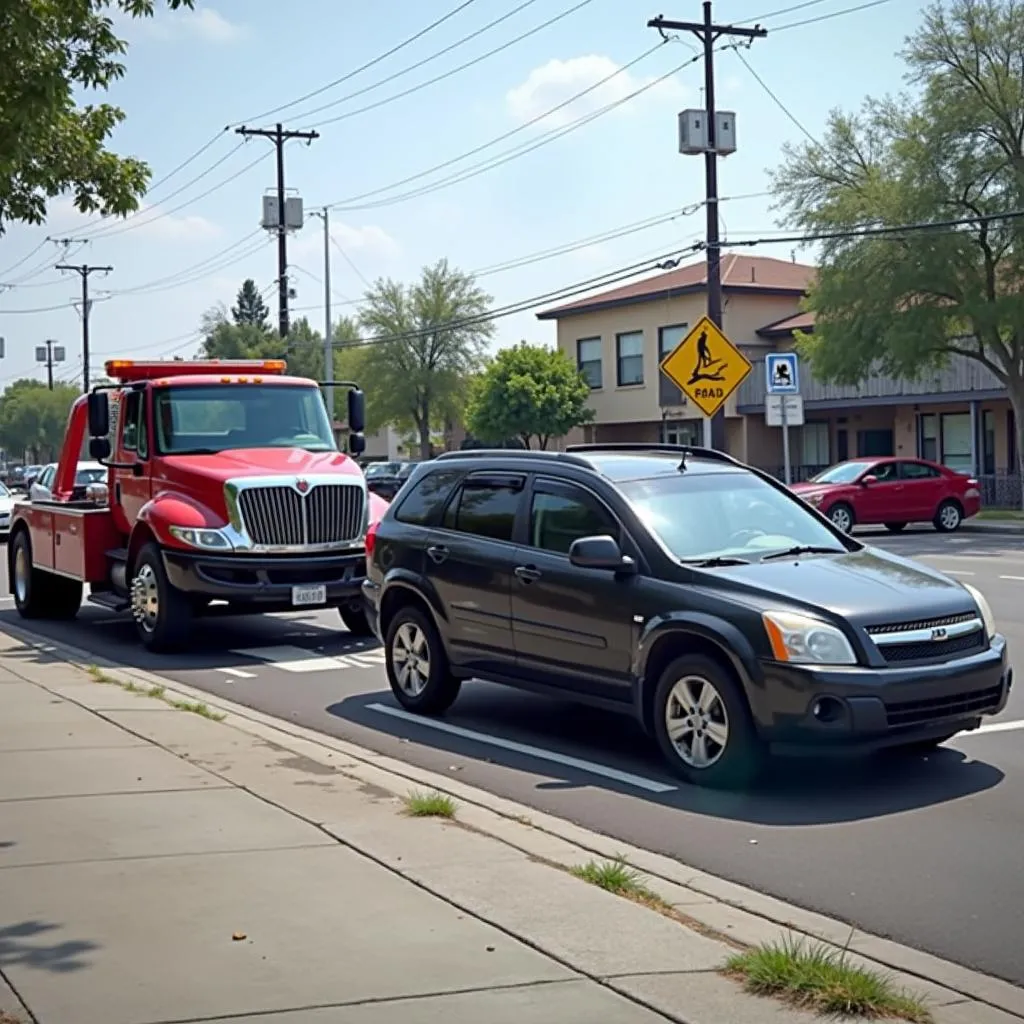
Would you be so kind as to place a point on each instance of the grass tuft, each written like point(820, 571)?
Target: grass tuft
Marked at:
point(619, 877)
point(430, 805)
point(1004, 514)
point(820, 978)
point(198, 708)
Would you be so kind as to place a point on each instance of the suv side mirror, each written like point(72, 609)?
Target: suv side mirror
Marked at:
point(356, 412)
point(867, 481)
point(99, 414)
point(600, 553)
point(99, 448)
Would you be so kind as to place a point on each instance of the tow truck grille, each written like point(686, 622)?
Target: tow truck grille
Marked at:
point(281, 517)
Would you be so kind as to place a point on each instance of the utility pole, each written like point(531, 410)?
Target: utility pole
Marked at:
point(49, 352)
point(709, 33)
point(279, 136)
point(84, 270)
point(325, 214)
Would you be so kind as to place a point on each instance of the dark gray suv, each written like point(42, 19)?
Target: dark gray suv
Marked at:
point(683, 587)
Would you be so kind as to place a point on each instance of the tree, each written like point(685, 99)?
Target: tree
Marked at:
point(906, 303)
point(33, 418)
point(428, 338)
point(528, 391)
point(50, 50)
point(250, 307)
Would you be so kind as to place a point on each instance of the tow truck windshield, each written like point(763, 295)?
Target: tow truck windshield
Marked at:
point(212, 418)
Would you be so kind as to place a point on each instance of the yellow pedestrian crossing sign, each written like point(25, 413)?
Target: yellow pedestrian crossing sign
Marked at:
point(706, 366)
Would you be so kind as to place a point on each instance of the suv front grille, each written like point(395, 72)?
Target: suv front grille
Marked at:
point(904, 627)
point(930, 650)
point(281, 517)
point(930, 640)
point(956, 705)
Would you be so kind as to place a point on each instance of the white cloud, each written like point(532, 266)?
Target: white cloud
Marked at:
point(205, 24)
point(556, 81)
point(369, 241)
point(148, 223)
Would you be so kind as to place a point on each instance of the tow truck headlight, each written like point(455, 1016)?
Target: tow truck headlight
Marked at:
point(983, 609)
point(803, 640)
point(205, 539)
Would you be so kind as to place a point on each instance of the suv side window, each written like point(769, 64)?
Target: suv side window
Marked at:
point(917, 471)
point(132, 406)
point(423, 504)
point(486, 505)
point(561, 513)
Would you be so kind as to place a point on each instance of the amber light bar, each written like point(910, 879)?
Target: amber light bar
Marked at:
point(130, 369)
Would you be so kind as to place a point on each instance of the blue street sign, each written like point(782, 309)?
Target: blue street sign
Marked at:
point(782, 373)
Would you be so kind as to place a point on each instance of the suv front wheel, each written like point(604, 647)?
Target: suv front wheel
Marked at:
point(703, 724)
point(417, 665)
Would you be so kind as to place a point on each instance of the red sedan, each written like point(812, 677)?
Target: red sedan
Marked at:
point(894, 492)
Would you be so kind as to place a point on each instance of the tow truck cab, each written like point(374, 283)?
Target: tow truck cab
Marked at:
point(225, 492)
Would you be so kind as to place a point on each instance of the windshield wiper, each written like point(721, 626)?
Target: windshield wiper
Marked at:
point(716, 560)
point(804, 549)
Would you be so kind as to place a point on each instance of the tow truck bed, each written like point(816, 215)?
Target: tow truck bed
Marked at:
point(70, 538)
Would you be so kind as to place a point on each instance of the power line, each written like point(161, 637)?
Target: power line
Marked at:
point(352, 203)
point(84, 270)
point(25, 258)
point(786, 10)
point(829, 17)
point(188, 160)
point(782, 106)
point(448, 74)
point(363, 67)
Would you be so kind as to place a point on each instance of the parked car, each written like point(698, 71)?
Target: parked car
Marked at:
point(892, 492)
point(6, 507)
point(683, 587)
point(386, 478)
point(30, 475)
point(87, 473)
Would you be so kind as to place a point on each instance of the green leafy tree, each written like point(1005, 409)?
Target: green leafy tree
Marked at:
point(429, 338)
point(906, 303)
point(50, 52)
point(34, 419)
point(528, 391)
point(249, 307)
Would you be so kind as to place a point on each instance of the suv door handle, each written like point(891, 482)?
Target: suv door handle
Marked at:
point(527, 573)
point(438, 553)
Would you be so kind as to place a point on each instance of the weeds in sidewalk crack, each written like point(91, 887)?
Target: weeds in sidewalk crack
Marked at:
point(618, 877)
point(820, 978)
point(157, 692)
point(430, 805)
point(197, 708)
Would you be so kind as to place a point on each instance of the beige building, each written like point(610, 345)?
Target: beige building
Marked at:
point(959, 415)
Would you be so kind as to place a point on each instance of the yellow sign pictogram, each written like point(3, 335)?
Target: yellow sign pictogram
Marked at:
point(706, 366)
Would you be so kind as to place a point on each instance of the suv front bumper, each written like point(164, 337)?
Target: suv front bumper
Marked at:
point(858, 710)
point(265, 581)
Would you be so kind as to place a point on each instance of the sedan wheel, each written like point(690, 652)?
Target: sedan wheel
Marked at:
point(842, 517)
point(948, 517)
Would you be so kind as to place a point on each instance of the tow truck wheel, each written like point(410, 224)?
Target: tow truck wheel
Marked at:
point(162, 614)
point(356, 621)
point(29, 584)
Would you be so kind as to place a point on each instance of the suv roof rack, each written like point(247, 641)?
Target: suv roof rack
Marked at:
point(639, 448)
point(513, 453)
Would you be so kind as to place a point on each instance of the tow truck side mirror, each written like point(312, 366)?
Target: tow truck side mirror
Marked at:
point(99, 415)
point(99, 448)
point(356, 443)
point(356, 413)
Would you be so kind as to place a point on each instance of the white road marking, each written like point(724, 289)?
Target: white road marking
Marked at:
point(238, 673)
point(591, 767)
point(292, 659)
point(1012, 578)
point(957, 572)
point(996, 727)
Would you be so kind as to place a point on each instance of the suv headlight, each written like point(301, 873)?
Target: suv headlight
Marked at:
point(803, 640)
point(983, 609)
point(201, 537)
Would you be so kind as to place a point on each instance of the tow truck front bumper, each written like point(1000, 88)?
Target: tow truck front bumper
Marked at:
point(267, 582)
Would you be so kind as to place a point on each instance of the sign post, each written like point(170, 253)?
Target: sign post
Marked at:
point(782, 378)
point(707, 367)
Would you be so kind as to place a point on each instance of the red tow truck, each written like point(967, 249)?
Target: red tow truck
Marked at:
point(225, 493)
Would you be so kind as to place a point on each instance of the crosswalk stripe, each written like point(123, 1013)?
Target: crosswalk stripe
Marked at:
point(299, 659)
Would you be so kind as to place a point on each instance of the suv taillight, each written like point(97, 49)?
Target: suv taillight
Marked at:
point(371, 539)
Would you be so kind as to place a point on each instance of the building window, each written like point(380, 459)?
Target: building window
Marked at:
point(681, 432)
point(668, 339)
point(928, 446)
point(814, 439)
point(956, 441)
point(588, 359)
point(629, 358)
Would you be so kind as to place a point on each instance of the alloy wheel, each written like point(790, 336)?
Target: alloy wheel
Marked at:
point(410, 656)
point(697, 722)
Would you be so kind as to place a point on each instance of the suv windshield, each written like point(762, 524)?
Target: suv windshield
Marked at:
point(708, 515)
point(214, 418)
point(843, 473)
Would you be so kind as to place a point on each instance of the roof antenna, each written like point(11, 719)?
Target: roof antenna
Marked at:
point(682, 460)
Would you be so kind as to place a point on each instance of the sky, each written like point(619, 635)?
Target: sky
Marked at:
point(569, 173)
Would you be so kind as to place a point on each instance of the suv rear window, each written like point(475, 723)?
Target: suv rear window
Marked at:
point(423, 504)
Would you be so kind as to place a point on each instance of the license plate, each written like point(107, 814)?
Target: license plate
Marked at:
point(314, 593)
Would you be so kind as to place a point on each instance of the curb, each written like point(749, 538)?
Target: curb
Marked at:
point(733, 911)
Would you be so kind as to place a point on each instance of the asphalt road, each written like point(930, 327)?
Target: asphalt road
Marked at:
point(924, 850)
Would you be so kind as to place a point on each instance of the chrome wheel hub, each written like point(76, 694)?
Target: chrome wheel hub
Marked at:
point(841, 519)
point(697, 722)
point(145, 598)
point(950, 517)
point(21, 574)
point(410, 657)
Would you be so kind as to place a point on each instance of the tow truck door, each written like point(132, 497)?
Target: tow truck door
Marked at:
point(132, 487)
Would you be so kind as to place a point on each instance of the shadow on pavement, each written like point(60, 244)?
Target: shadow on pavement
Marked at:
point(20, 946)
point(792, 793)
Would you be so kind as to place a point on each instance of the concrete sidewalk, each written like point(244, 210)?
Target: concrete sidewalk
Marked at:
point(160, 866)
